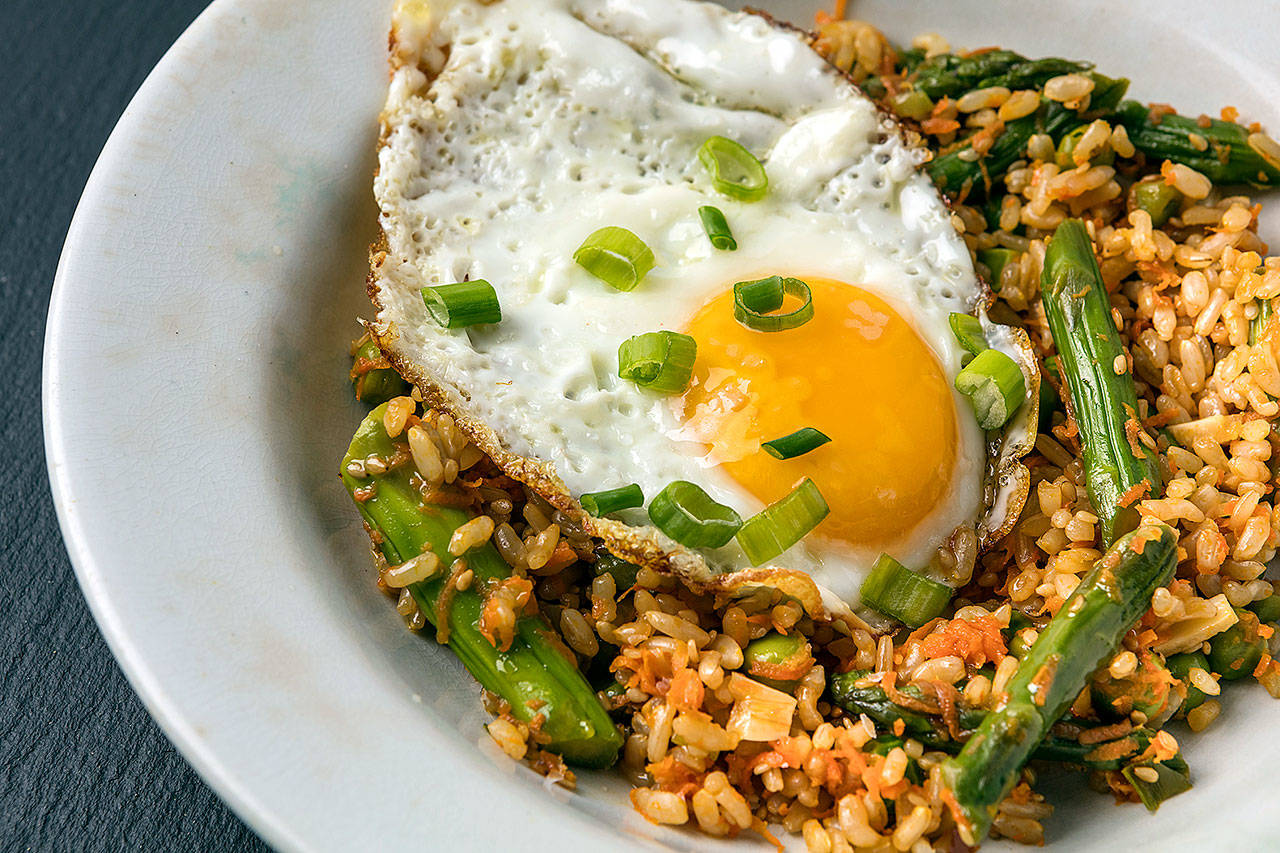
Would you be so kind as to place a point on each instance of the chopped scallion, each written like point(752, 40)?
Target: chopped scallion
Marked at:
point(713, 222)
point(1157, 198)
point(660, 361)
point(796, 444)
point(612, 500)
point(782, 524)
point(996, 259)
point(754, 300)
point(908, 596)
point(994, 385)
point(688, 515)
point(466, 303)
point(1259, 324)
point(615, 256)
point(968, 331)
point(735, 171)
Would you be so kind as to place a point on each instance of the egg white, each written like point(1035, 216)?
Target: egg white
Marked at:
point(547, 119)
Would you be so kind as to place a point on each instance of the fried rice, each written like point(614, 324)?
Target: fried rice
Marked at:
point(1184, 294)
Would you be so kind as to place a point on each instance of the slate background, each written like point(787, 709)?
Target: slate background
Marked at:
point(82, 766)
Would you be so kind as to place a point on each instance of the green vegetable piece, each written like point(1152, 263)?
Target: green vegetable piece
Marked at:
point(463, 304)
point(844, 689)
point(753, 302)
point(1067, 147)
point(1080, 637)
point(782, 523)
point(1181, 666)
point(968, 331)
point(374, 380)
point(1022, 641)
point(914, 104)
point(995, 260)
point(1079, 313)
point(623, 572)
point(1235, 652)
point(907, 596)
point(1259, 324)
point(909, 58)
point(1151, 689)
point(602, 503)
point(1232, 155)
point(661, 361)
point(798, 443)
point(874, 87)
point(1267, 610)
point(1169, 783)
point(717, 228)
point(687, 514)
point(957, 176)
point(951, 75)
point(1157, 198)
point(1050, 401)
point(735, 171)
point(994, 384)
point(616, 256)
point(778, 660)
point(532, 670)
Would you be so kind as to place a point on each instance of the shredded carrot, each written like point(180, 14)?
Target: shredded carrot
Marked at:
point(686, 692)
point(562, 556)
point(977, 641)
point(1136, 492)
point(1264, 663)
point(939, 126)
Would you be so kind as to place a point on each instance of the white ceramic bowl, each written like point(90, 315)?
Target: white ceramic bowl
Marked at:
point(196, 406)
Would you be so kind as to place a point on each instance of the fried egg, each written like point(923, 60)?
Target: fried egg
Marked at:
point(513, 130)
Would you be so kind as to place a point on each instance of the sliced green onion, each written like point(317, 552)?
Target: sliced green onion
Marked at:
point(782, 524)
point(995, 388)
point(612, 500)
point(796, 444)
point(688, 515)
point(467, 303)
point(995, 259)
point(717, 228)
point(754, 300)
point(1157, 198)
point(1169, 783)
point(908, 596)
point(1258, 325)
point(968, 331)
point(660, 361)
point(915, 104)
point(615, 256)
point(734, 170)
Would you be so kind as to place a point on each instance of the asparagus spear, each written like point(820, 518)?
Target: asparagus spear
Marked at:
point(1104, 402)
point(1227, 157)
point(1084, 633)
point(957, 172)
point(951, 76)
point(870, 699)
point(953, 174)
point(532, 675)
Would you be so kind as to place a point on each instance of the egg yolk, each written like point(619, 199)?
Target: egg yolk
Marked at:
point(859, 373)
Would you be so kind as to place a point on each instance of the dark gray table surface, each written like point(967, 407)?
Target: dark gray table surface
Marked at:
point(82, 766)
